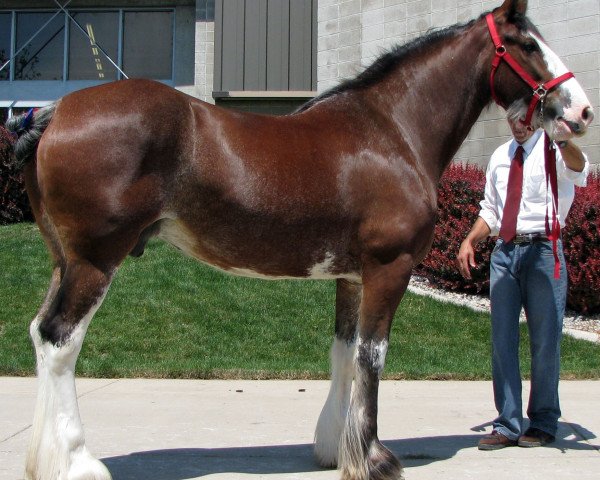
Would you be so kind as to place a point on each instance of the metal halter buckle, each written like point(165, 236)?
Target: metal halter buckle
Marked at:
point(540, 91)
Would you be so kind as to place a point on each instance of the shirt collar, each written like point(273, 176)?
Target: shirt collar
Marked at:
point(527, 145)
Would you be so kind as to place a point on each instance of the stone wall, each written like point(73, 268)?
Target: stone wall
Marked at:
point(205, 50)
point(352, 33)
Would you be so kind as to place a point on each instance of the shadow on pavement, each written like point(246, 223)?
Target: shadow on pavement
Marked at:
point(180, 464)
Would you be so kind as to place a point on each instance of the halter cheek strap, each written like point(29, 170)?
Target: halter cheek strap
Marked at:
point(540, 90)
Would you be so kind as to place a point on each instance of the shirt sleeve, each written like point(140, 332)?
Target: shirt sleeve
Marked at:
point(489, 209)
point(564, 172)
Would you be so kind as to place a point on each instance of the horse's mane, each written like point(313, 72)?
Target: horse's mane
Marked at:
point(388, 62)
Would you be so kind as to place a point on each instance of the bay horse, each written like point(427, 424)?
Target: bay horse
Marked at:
point(344, 189)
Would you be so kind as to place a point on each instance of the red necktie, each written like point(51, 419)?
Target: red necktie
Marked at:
point(508, 228)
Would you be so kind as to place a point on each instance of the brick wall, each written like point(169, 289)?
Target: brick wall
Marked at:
point(205, 50)
point(352, 33)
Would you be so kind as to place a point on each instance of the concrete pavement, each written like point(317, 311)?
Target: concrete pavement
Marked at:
point(212, 429)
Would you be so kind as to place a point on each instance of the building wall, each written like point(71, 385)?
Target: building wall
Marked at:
point(352, 33)
point(205, 50)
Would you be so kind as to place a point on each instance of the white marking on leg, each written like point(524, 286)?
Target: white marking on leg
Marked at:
point(333, 416)
point(57, 450)
point(353, 458)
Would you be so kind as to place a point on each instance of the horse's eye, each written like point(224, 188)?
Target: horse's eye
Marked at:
point(530, 48)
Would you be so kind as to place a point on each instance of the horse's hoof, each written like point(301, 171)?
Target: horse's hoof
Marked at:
point(326, 459)
point(86, 467)
point(380, 464)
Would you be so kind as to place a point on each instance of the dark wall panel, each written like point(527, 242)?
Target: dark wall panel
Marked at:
point(255, 53)
point(300, 77)
point(278, 45)
point(233, 44)
point(265, 45)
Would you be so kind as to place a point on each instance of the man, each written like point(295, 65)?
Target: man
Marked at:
point(522, 274)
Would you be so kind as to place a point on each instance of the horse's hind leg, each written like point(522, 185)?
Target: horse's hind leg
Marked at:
point(57, 450)
point(333, 416)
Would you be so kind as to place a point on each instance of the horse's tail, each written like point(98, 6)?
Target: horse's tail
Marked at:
point(28, 129)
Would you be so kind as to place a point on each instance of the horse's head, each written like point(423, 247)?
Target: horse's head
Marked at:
point(531, 80)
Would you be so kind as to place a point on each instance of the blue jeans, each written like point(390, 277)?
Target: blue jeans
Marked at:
point(523, 276)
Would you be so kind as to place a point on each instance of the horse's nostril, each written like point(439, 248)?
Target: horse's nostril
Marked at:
point(588, 114)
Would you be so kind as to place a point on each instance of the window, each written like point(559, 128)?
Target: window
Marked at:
point(5, 28)
point(42, 57)
point(139, 41)
point(86, 60)
point(148, 44)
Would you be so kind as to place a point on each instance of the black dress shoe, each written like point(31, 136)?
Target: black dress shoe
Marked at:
point(534, 437)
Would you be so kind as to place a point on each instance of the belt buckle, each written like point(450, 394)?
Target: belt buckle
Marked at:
point(524, 238)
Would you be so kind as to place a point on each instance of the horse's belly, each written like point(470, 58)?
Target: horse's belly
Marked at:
point(321, 264)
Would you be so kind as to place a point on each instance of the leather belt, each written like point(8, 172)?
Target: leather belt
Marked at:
point(530, 238)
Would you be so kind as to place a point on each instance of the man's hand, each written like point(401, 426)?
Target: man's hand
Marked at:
point(572, 155)
point(466, 254)
point(466, 258)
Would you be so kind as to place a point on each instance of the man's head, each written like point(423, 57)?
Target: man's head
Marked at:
point(519, 130)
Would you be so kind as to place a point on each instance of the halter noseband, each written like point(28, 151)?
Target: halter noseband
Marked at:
point(540, 90)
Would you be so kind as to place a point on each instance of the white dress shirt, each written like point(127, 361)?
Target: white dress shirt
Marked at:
point(536, 194)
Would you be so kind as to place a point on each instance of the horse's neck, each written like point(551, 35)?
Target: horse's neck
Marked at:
point(437, 98)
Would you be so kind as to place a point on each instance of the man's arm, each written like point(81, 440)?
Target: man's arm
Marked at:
point(572, 155)
point(466, 253)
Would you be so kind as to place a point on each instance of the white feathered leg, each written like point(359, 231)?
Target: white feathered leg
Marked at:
point(57, 450)
point(333, 416)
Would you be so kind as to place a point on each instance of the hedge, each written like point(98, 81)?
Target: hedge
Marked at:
point(14, 204)
point(461, 190)
point(459, 193)
point(582, 248)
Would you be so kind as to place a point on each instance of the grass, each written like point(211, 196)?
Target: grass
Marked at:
point(169, 316)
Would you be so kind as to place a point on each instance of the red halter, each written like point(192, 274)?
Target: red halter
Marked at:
point(540, 90)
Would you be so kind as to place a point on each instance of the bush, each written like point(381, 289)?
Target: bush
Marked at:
point(459, 193)
point(582, 248)
point(14, 204)
point(461, 190)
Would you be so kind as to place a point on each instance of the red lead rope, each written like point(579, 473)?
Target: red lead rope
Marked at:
point(540, 90)
point(552, 230)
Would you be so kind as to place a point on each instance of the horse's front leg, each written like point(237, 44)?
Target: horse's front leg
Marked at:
point(362, 456)
point(333, 416)
point(57, 450)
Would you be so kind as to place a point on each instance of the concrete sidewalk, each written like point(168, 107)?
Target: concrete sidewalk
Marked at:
point(195, 429)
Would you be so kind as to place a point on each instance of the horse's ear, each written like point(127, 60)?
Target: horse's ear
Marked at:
point(514, 7)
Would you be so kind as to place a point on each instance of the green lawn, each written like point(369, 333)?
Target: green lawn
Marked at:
point(169, 316)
